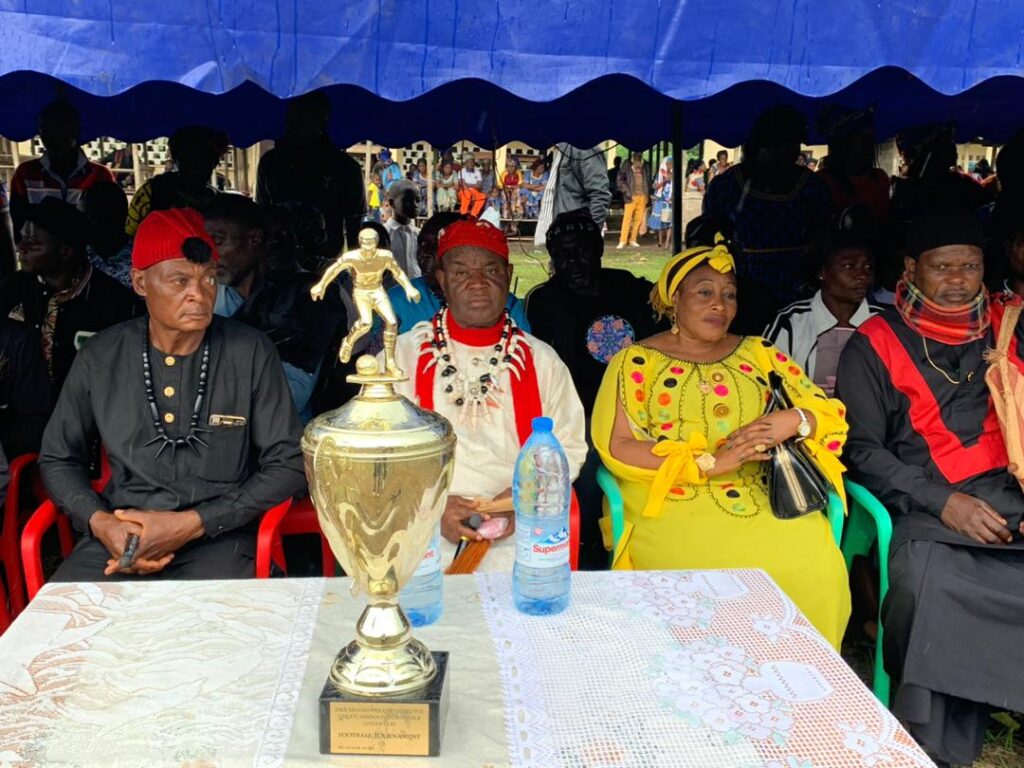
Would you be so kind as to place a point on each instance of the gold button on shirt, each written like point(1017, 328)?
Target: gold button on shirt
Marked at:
point(169, 360)
point(168, 391)
point(169, 418)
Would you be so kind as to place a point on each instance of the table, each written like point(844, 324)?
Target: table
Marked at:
point(679, 668)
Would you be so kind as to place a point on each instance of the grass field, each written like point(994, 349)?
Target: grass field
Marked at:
point(531, 263)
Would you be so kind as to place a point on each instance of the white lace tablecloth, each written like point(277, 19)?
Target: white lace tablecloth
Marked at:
point(702, 669)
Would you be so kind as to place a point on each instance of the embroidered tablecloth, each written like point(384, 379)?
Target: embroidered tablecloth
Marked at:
point(703, 669)
point(709, 669)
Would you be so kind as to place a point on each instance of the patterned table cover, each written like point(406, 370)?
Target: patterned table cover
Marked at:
point(688, 668)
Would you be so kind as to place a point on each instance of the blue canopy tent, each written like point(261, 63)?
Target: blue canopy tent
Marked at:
point(497, 70)
point(492, 71)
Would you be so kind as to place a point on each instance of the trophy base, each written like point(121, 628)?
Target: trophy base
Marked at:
point(410, 724)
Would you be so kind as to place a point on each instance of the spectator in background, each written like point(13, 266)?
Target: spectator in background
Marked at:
point(577, 180)
point(696, 174)
point(487, 183)
point(7, 263)
point(196, 151)
point(814, 331)
point(57, 292)
point(535, 181)
point(401, 227)
point(374, 197)
point(660, 220)
point(390, 171)
point(471, 198)
point(932, 182)
point(431, 296)
point(26, 398)
point(276, 302)
point(511, 181)
point(613, 181)
point(63, 171)
point(634, 184)
point(420, 177)
point(719, 165)
point(851, 176)
point(305, 167)
point(110, 248)
point(447, 182)
point(776, 206)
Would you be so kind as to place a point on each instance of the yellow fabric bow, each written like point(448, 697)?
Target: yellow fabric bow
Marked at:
point(680, 466)
point(679, 266)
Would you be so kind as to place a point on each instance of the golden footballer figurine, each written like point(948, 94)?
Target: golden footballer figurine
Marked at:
point(369, 265)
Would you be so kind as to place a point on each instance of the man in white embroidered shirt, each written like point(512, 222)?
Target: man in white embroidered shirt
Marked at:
point(474, 366)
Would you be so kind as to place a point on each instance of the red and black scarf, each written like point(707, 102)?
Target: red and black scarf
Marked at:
point(954, 326)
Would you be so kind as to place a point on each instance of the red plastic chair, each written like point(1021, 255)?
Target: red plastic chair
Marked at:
point(10, 530)
point(41, 521)
point(574, 532)
point(44, 518)
point(286, 519)
point(301, 518)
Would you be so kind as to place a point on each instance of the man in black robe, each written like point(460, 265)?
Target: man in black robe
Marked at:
point(925, 440)
point(195, 416)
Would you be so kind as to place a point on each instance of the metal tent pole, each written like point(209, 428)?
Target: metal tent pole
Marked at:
point(677, 182)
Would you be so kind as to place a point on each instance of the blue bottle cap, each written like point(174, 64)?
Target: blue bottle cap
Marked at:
point(542, 424)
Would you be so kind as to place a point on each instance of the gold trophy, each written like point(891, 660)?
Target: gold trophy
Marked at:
point(379, 468)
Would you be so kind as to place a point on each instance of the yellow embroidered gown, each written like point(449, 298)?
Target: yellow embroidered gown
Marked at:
point(726, 522)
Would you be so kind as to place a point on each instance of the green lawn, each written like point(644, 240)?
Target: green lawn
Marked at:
point(531, 263)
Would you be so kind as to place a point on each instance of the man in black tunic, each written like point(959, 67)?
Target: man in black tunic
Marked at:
point(925, 440)
point(195, 416)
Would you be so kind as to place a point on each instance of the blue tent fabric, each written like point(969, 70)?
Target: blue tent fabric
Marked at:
point(497, 70)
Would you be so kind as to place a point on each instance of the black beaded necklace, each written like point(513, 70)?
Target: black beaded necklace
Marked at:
point(475, 391)
point(192, 440)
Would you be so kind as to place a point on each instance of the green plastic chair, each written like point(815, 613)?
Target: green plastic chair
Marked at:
point(610, 488)
point(870, 521)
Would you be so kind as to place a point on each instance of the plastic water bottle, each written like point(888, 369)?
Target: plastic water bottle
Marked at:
point(421, 597)
point(541, 493)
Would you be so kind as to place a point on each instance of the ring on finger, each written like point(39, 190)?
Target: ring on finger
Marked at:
point(760, 448)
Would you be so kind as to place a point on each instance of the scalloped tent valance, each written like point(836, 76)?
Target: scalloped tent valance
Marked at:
point(495, 71)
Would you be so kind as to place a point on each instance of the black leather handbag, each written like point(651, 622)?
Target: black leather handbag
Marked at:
point(796, 486)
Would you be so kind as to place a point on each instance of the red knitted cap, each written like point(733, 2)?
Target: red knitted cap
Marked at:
point(162, 235)
point(482, 234)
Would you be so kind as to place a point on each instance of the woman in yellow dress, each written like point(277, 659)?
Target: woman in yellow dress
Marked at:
point(679, 421)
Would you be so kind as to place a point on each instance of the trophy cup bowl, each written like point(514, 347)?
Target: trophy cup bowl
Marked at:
point(379, 468)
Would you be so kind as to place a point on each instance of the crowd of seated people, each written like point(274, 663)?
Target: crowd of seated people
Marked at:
point(178, 332)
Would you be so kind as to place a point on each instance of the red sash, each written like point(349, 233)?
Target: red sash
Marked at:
point(955, 461)
point(526, 402)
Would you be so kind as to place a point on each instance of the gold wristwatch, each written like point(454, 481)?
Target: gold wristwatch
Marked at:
point(803, 431)
point(706, 462)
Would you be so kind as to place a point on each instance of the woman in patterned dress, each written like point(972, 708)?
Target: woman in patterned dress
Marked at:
point(679, 422)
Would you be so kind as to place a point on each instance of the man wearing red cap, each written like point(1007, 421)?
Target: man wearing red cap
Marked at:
point(194, 414)
point(472, 364)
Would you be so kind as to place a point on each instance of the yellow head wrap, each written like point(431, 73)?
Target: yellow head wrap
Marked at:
point(682, 264)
